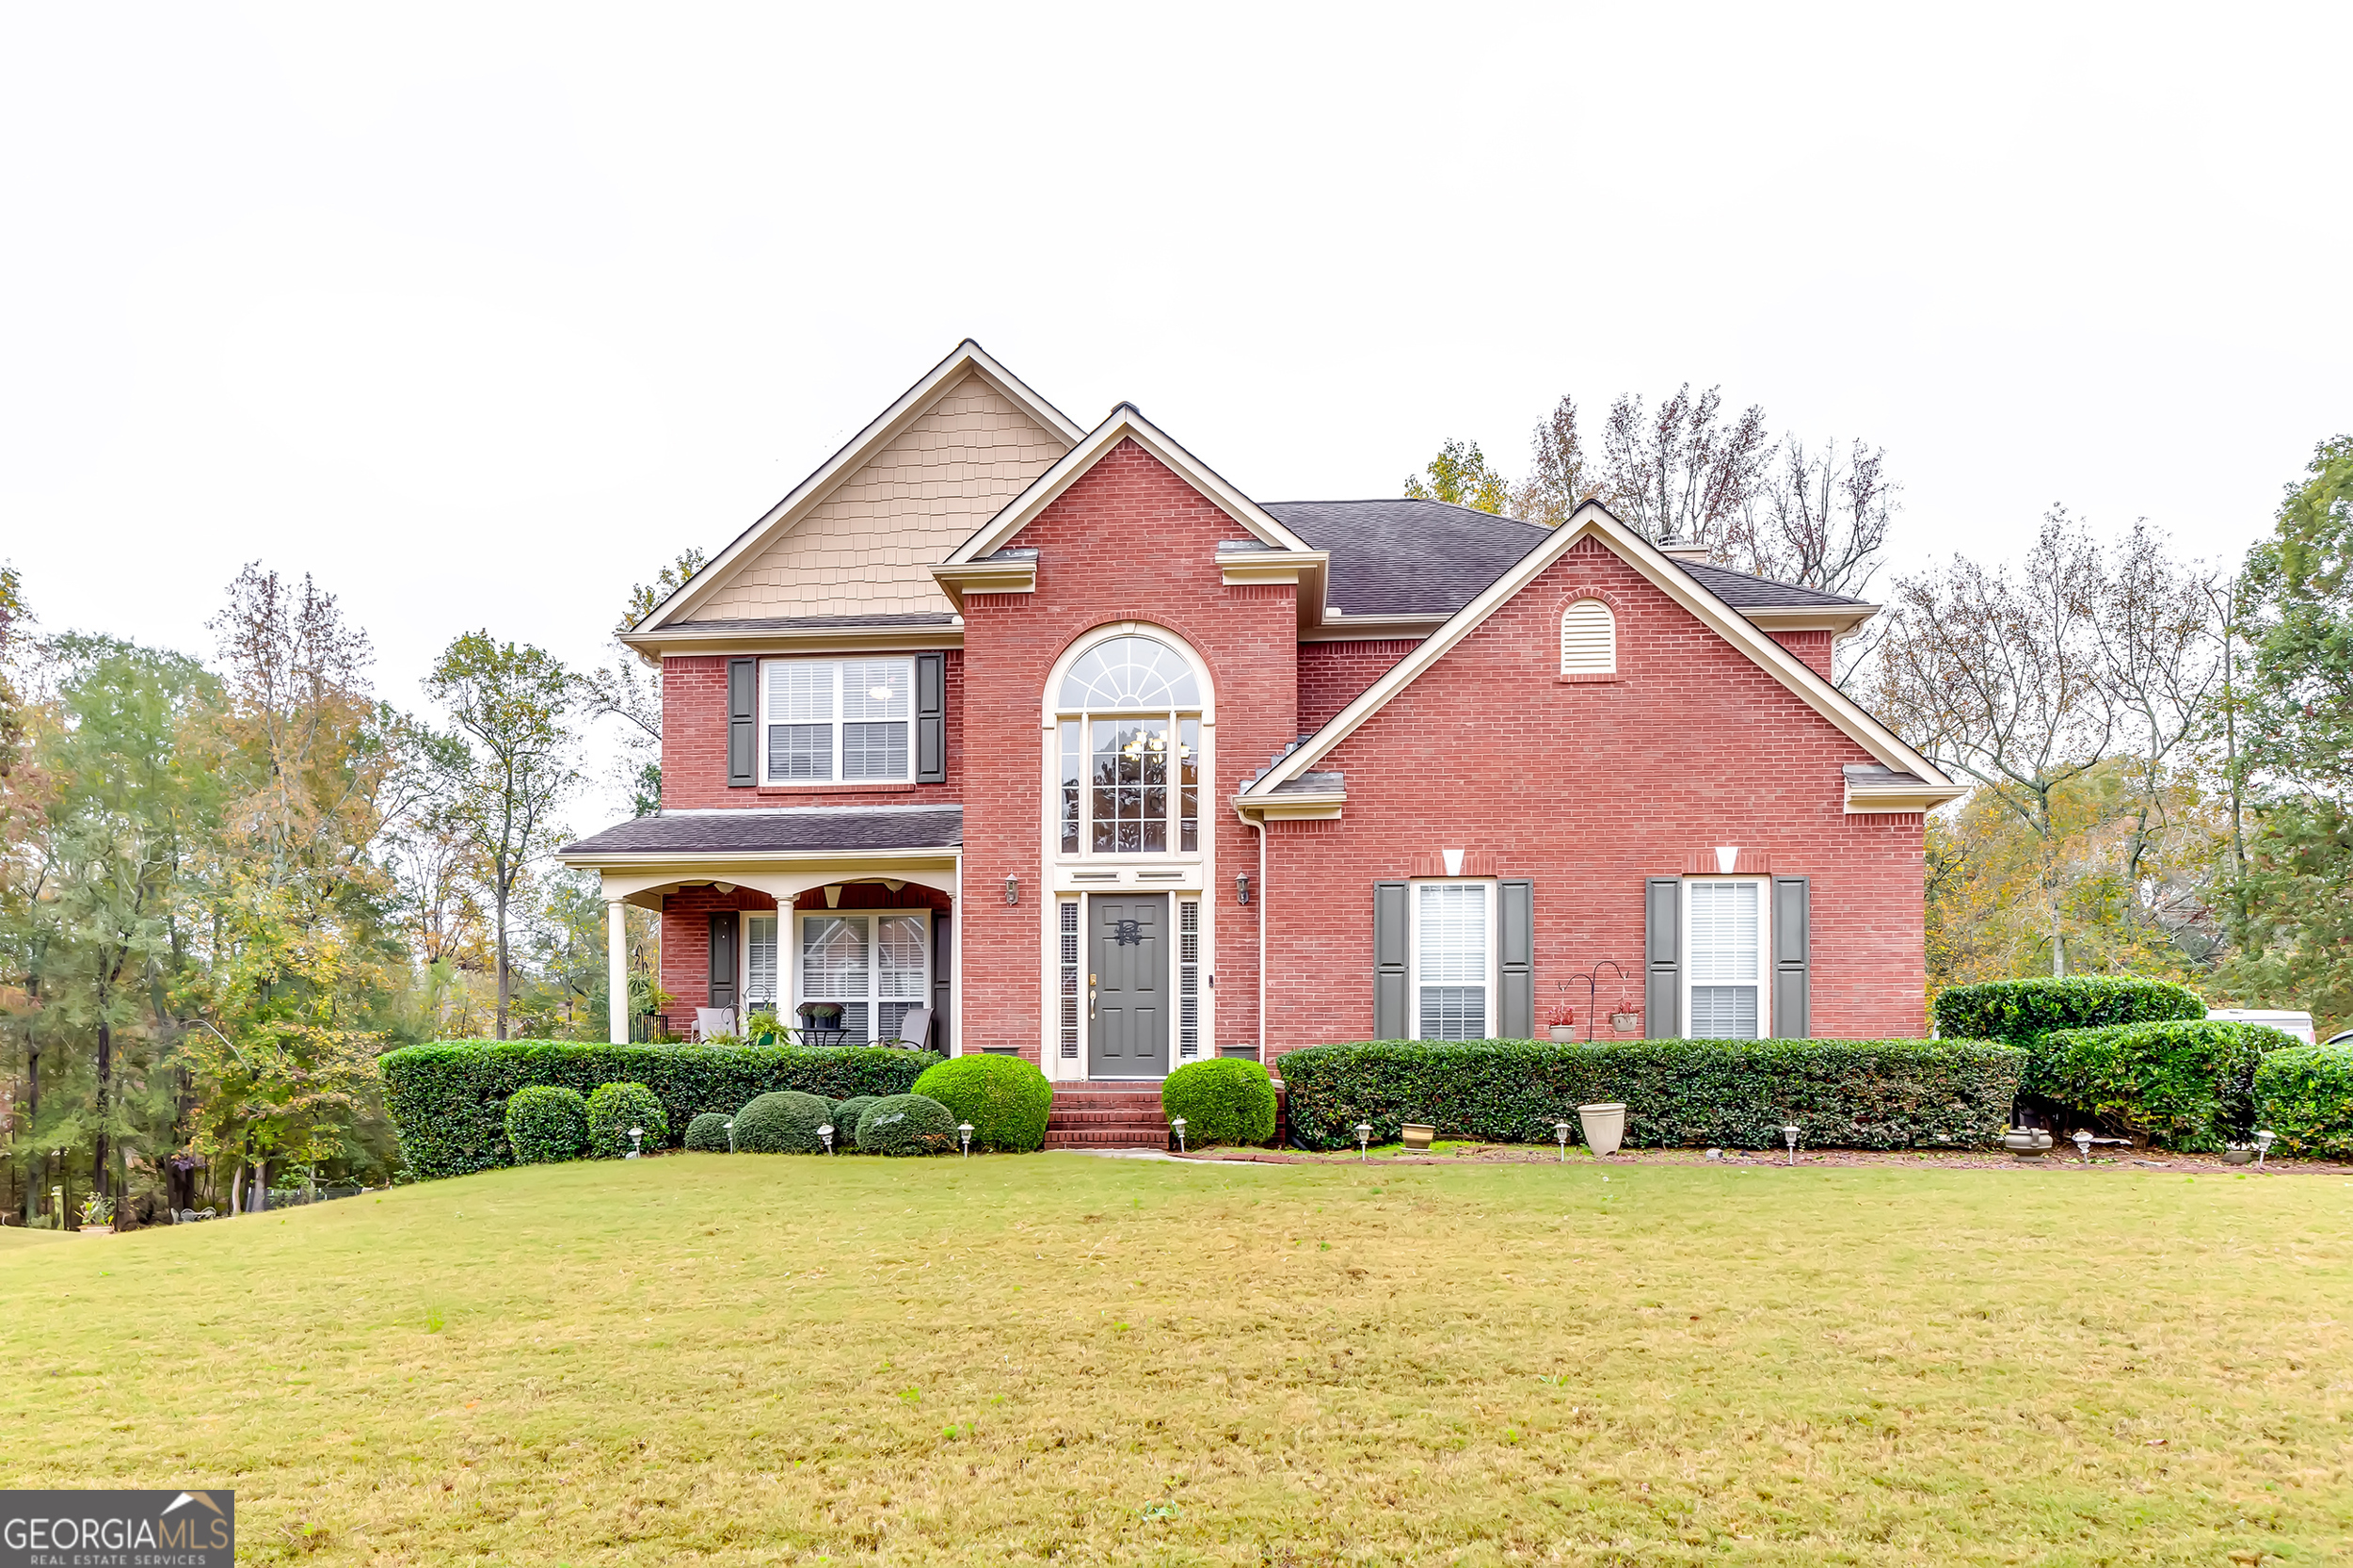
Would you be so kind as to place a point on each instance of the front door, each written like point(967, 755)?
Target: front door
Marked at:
point(1128, 987)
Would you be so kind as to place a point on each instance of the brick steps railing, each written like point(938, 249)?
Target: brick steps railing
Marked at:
point(1089, 1119)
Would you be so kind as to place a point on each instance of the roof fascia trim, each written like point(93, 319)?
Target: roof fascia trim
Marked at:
point(1591, 519)
point(968, 358)
point(719, 859)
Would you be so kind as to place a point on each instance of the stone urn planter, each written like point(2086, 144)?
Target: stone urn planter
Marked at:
point(2239, 1153)
point(1417, 1136)
point(1605, 1125)
point(2027, 1142)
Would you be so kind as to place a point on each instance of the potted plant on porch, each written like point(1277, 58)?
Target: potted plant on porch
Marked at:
point(1561, 1021)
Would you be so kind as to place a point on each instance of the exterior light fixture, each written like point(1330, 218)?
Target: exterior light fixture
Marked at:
point(636, 1136)
point(1790, 1133)
point(1241, 887)
point(1013, 889)
point(730, 1135)
point(2263, 1140)
point(1363, 1141)
point(1177, 1125)
point(824, 1136)
point(1560, 1130)
point(2083, 1145)
point(964, 1130)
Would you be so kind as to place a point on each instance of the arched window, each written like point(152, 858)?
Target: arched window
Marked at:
point(1129, 725)
point(1588, 639)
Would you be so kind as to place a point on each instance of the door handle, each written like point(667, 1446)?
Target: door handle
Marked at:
point(1090, 1005)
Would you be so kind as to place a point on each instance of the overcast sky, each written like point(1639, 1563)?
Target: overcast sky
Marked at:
point(480, 315)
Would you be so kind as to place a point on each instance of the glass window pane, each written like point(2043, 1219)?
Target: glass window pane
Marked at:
point(1723, 1012)
point(1189, 782)
point(873, 750)
point(800, 751)
point(1724, 932)
point(833, 957)
point(877, 688)
point(901, 957)
point(1131, 672)
point(759, 960)
point(1073, 765)
point(1453, 933)
point(800, 691)
point(1453, 1012)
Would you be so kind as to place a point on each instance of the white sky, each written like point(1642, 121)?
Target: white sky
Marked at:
point(480, 315)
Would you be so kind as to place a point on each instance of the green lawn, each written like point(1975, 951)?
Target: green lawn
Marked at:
point(752, 1359)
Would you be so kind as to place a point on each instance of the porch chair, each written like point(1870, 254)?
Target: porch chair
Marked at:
point(915, 1029)
point(711, 1020)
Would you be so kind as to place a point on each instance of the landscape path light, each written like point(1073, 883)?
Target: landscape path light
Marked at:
point(824, 1135)
point(730, 1135)
point(636, 1138)
point(964, 1130)
point(2265, 1138)
point(2083, 1145)
point(1363, 1141)
point(1177, 1126)
point(1790, 1134)
point(1560, 1130)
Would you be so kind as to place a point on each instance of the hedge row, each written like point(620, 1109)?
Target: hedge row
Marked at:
point(1735, 1094)
point(448, 1099)
point(2187, 1084)
point(2305, 1095)
point(2017, 1012)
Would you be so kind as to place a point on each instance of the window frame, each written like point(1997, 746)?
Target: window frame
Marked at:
point(1492, 984)
point(1763, 979)
point(838, 663)
point(1065, 723)
point(874, 999)
point(750, 1003)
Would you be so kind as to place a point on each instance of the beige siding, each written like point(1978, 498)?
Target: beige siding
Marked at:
point(867, 547)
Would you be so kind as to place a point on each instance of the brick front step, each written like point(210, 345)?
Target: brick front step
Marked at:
point(1087, 1118)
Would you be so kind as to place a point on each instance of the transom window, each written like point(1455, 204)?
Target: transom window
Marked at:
point(825, 720)
point(1453, 962)
point(1130, 754)
point(875, 966)
point(1725, 941)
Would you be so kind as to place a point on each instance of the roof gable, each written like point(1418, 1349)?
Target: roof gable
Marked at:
point(1593, 520)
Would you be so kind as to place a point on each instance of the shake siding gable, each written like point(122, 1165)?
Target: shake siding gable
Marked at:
point(1129, 540)
point(1587, 789)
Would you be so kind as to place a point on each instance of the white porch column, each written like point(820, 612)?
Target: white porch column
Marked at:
point(616, 967)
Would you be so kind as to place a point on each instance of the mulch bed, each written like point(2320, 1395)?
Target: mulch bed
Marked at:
point(1982, 1159)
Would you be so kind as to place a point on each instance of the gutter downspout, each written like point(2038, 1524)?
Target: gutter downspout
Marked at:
point(1258, 826)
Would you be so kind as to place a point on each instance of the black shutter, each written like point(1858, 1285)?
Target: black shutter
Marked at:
point(1793, 952)
point(931, 720)
point(743, 722)
point(1662, 958)
point(1516, 1006)
point(1392, 915)
point(723, 929)
point(943, 958)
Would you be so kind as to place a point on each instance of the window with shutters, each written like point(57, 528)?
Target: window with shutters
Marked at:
point(1453, 961)
point(875, 965)
point(1127, 739)
point(759, 961)
point(827, 721)
point(1725, 955)
point(1588, 639)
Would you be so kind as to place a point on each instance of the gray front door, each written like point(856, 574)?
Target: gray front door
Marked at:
point(1128, 987)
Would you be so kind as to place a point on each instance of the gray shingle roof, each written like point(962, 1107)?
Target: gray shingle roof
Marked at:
point(756, 831)
point(1430, 558)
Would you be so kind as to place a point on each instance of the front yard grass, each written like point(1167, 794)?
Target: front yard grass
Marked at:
point(771, 1359)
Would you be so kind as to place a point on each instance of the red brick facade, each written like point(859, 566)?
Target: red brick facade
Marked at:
point(695, 746)
point(1332, 675)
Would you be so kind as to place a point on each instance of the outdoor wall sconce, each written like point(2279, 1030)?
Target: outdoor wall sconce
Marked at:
point(1013, 889)
point(964, 1130)
point(1177, 1125)
point(1241, 888)
point(1790, 1132)
point(636, 1136)
point(1363, 1141)
point(824, 1136)
point(1560, 1130)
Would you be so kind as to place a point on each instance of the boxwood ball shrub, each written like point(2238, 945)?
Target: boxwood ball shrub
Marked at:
point(544, 1124)
point(1223, 1100)
point(448, 1099)
point(2188, 1084)
point(785, 1122)
point(845, 1117)
point(1005, 1098)
point(1735, 1094)
point(907, 1124)
point(613, 1109)
point(708, 1134)
point(2305, 1095)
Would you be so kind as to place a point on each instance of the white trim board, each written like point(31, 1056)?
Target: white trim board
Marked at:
point(1593, 520)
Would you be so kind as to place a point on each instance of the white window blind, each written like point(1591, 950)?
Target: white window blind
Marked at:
point(1725, 960)
point(1588, 639)
point(1070, 916)
point(1451, 939)
point(829, 719)
point(878, 967)
point(759, 960)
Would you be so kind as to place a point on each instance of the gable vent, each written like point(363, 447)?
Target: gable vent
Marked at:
point(1588, 639)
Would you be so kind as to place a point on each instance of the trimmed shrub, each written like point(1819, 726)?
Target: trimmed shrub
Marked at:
point(1736, 1094)
point(544, 1124)
point(1005, 1098)
point(613, 1109)
point(2019, 1012)
point(448, 1099)
point(785, 1122)
point(2187, 1084)
point(845, 1117)
point(708, 1134)
point(907, 1124)
point(2305, 1095)
point(1222, 1100)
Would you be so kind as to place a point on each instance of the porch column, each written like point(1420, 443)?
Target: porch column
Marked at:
point(616, 967)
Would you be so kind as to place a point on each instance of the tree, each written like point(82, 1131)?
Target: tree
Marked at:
point(1684, 471)
point(1819, 521)
point(510, 704)
point(1459, 475)
point(1559, 476)
point(626, 692)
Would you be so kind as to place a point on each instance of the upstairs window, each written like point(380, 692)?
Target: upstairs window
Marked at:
point(1130, 751)
point(837, 720)
point(1588, 639)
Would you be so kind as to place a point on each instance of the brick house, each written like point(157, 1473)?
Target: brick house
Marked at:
point(1055, 733)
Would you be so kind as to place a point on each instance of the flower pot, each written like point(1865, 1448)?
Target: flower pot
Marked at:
point(1565, 1034)
point(1626, 1023)
point(1604, 1125)
point(2027, 1142)
point(2239, 1153)
point(1417, 1136)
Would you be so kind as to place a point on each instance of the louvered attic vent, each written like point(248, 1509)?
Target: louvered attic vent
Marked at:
point(1588, 639)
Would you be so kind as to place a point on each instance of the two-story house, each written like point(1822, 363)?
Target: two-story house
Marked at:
point(1054, 731)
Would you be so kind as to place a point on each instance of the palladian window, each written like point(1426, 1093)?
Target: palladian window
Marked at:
point(1131, 751)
